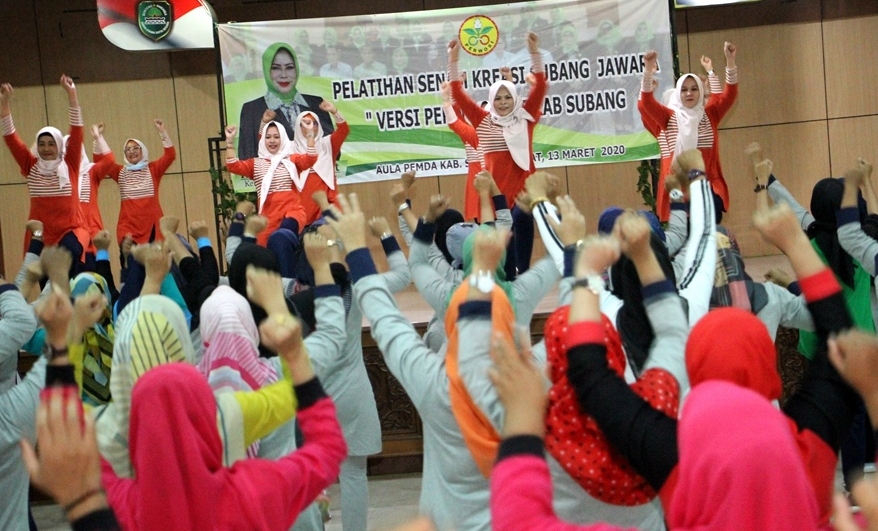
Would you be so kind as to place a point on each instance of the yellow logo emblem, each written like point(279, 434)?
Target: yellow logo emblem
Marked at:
point(478, 35)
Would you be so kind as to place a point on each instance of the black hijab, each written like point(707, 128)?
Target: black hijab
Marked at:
point(825, 202)
point(444, 222)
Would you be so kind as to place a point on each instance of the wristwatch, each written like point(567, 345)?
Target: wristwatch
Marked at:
point(482, 281)
point(239, 216)
point(593, 283)
point(402, 207)
point(38, 234)
point(694, 174)
point(385, 235)
point(676, 194)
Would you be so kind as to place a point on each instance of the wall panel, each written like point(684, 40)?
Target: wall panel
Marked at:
point(850, 138)
point(597, 186)
point(851, 66)
point(197, 120)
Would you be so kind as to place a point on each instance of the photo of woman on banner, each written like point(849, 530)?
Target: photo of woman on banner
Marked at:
point(280, 67)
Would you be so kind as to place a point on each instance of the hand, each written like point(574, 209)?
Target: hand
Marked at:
point(779, 276)
point(855, 354)
point(231, 131)
point(571, 229)
point(438, 205)
point(706, 63)
point(97, 130)
point(282, 333)
point(865, 492)
point(328, 107)
point(521, 388)
point(554, 187)
point(68, 465)
point(101, 240)
point(596, 254)
point(245, 207)
point(730, 51)
point(169, 224)
point(265, 289)
point(531, 79)
point(254, 225)
point(33, 225)
point(690, 160)
point(316, 250)
point(533, 43)
point(34, 272)
point(160, 125)
point(633, 232)
point(506, 72)
point(5, 93)
point(350, 225)
point(268, 116)
point(488, 248)
point(453, 51)
point(537, 185)
point(408, 179)
point(482, 182)
point(321, 199)
point(754, 151)
point(445, 92)
point(127, 243)
point(522, 201)
point(650, 62)
point(56, 262)
point(156, 259)
point(866, 167)
point(378, 225)
point(88, 309)
point(673, 182)
point(779, 227)
point(55, 312)
point(198, 229)
point(763, 171)
point(68, 85)
point(398, 194)
point(853, 178)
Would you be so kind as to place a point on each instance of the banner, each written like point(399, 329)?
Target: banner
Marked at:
point(151, 25)
point(384, 72)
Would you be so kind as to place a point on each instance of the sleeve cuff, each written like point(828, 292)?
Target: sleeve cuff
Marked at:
point(102, 254)
point(7, 287)
point(846, 215)
point(521, 445)
point(328, 214)
point(658, 288)
point(425, 232)
point(794, 288)
point(308, 393)
point(204, 241)
point(585, 332)
point(819, 285)
point(390, 245)
point(771, 179)
point(360, 264)
point(248, 239)
point(35, 246)
point(327, 290)
point(60, 376)
point(102, 519)
point(682, 205)
point(569, 260)
point(474, 310)
point(236, 229)
point(500, 202)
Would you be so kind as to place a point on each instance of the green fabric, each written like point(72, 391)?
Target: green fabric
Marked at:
point(267, 58)
point(858, 301)
point(499, 274)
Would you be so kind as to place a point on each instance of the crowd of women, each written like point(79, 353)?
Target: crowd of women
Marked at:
point(189, 400)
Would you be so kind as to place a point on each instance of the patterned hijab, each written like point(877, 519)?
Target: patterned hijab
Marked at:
point(98, 341)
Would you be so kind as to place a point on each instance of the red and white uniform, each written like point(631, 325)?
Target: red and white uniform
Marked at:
point(140, 211)
point(90, 176)
point(54, 194)
point(466, 132)
point(321, 176)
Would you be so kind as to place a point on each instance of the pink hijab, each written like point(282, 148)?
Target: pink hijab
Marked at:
point(739, 466)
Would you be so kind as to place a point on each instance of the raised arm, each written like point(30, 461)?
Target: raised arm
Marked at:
point(470, 108)
point(342, 129)
point(399, 277)
point(534, 103)
point(160, 166)
point(720, 104)
point(238, 167)
point(326, 341)
point(655, 111)
point(20, 152)
point(853, 240)
point(465, 131)
point(73, 153)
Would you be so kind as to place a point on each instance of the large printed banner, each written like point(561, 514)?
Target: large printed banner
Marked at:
point(383, 72)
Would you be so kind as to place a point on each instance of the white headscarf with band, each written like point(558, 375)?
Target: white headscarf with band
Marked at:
point(50, 167)
point(687, 119)
point(281, 157)
point(514, 124)
point(85, 166)
point(144, 160)
point(325, 165)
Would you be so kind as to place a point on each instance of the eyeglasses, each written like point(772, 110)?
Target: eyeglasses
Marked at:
point(132, 149)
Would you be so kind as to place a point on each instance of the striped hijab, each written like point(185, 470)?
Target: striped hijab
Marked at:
point(231, 359)
point(98, 341)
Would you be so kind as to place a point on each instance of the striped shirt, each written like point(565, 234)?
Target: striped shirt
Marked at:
point(99, 147)
point(282, 181)
point(138, 184)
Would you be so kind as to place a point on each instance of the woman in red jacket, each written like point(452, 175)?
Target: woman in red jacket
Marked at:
point(272, 172)
point(90, 176)
point(687, 123)
point(139, 180)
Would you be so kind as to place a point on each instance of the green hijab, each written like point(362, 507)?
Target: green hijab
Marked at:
point(267, 58)
point(499, 273)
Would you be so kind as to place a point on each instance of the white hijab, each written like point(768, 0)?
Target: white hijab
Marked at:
point(144, 160)
point(85, 166)
point(687, 119)
point(281, 157)
point(50, 167)
point(514, 124)
point(325, 165)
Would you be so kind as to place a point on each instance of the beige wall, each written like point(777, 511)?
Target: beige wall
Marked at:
point(805, 94)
